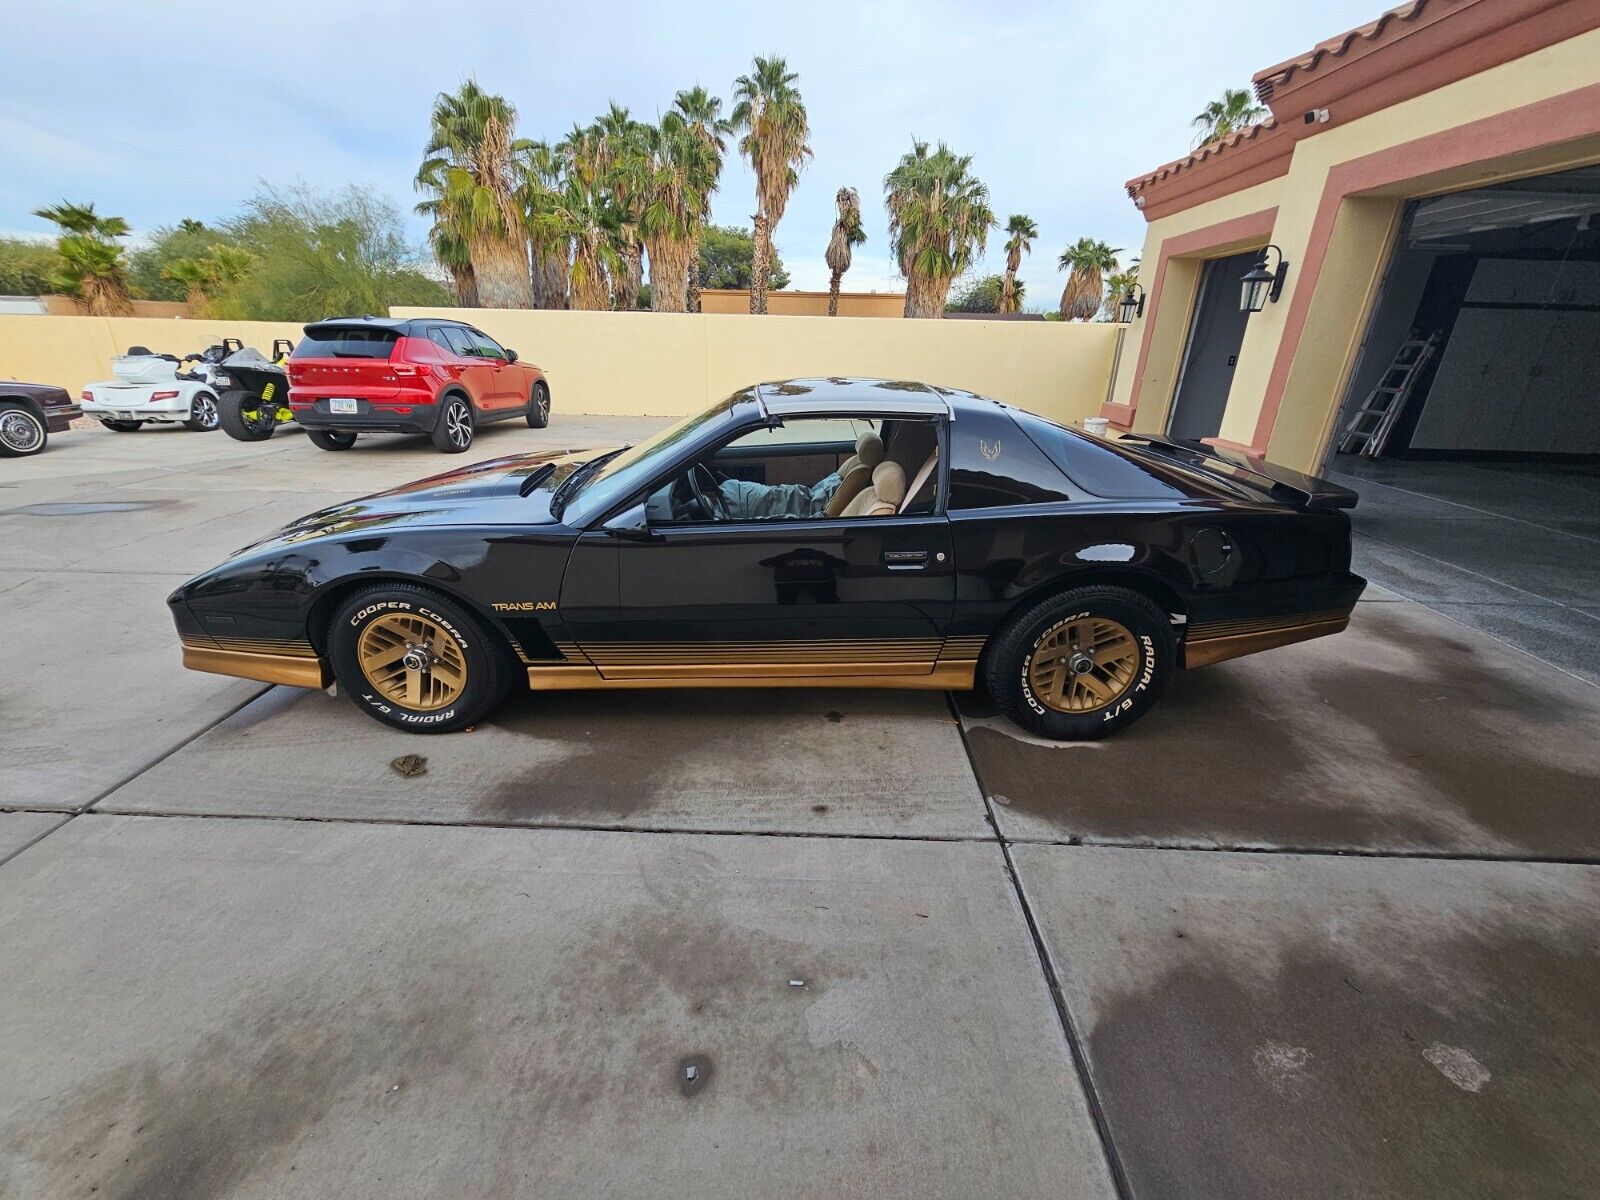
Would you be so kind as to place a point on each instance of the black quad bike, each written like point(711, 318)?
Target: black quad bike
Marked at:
point(255, 391)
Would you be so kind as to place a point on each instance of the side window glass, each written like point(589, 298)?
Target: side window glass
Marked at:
point(486, 346)
point(459, 342)
point(436, 336)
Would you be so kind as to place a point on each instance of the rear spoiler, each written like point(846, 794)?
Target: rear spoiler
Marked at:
point(1283, 484)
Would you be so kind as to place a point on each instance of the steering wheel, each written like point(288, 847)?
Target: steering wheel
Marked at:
point(703, 486)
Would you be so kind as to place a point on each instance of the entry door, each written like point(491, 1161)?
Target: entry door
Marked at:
point(1215, 336)
point(763, 599)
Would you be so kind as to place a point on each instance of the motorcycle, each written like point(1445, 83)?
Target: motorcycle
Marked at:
point(255, 392)
point(154, 388)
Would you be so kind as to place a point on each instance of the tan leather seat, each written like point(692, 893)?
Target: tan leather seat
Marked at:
point(856, 473)
point(883, 497)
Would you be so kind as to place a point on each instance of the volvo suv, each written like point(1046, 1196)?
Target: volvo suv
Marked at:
point(444, 378)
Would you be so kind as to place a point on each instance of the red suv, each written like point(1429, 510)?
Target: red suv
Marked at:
point(444, 378)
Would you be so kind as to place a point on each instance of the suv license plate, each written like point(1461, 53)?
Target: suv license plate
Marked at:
point(344, 407)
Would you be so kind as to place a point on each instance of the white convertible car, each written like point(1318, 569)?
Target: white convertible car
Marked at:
point(150, 387)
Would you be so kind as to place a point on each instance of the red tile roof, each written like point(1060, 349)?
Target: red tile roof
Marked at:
point(1389, 25)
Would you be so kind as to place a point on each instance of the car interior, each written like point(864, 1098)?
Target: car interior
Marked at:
point(808, 468)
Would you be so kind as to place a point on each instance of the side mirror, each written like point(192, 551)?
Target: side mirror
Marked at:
point(511, 356)
point(631, 524)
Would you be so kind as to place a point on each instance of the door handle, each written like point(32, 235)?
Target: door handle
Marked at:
point(905, 560)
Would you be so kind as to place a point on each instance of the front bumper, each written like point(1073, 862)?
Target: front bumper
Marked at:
point(58, 418)
point(417, 417)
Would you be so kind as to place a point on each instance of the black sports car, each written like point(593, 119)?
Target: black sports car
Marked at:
point(818, 532)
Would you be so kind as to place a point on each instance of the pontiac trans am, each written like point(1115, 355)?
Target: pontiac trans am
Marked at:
point(809, 533)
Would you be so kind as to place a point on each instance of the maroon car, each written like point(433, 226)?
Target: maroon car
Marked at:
point(29, 414)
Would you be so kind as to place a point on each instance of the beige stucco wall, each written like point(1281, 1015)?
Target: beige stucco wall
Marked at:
point(789, 303)
point(73, 351)
point(671, 363)
point(1356, 253)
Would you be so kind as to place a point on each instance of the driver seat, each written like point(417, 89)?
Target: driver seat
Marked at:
point(856, 473)
point(883, 496)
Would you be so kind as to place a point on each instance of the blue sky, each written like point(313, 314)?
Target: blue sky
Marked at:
point(174, 109)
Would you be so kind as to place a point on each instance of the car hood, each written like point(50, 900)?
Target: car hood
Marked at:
point(45, 393)
point(486, 493)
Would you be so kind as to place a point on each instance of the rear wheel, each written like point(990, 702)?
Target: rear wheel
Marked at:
point(539, 406)
point(331, 439)
point(1082, 664)
point(203, 414)
point(22, 432)
point(246, 418)
point(453, 433)
point(123, 426)
point(416, 660)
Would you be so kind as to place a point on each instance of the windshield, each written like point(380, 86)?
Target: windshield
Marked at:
point(633, 467)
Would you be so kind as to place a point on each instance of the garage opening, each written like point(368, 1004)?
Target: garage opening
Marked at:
point(1212, 351)
point(1478, 454)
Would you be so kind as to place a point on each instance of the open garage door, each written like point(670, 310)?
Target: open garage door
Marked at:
point(1484, 497)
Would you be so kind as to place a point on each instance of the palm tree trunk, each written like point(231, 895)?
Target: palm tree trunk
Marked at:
point(759, 257)
point(550, 276)
point(692, 296)
point(669, 274)
point(500, 266)
point(1008, 286)
point(588, 282)
point(833, 293)
point(925, 297)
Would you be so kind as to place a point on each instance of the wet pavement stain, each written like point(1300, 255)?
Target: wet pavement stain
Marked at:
point(1320, 1078)
point(65, 508)
point(203, 1121)
point(1398, 738)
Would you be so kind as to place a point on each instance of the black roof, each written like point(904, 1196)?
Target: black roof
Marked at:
point(839, 393)
point(397, 324)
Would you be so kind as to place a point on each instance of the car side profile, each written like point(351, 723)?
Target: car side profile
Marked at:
point(815, 532)
point(29, 414)
point(444, 378)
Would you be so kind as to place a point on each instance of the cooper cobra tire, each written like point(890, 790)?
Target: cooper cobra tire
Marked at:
point(22, 433)
point(416, 660)
point(1082, 664)
point(231, 407)
point(203, 414)
point(123, 426)
point(539, 406)
point(331, 439)
point(454, 430)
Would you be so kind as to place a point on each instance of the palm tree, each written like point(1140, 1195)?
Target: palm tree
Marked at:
point(448, 237)
point(1236, 109)
point(847, 234)
point(195, 276)
point(471, 152)
point(703, 113)
point(776, 140)
point(578, 215)
point(223, 266)
point(91, 268)
point(1118, 286)
point(939, 219)
point(672, 175)
point(618, 143)
point(1020, 231)
point(1088, 261)
point(541, 170)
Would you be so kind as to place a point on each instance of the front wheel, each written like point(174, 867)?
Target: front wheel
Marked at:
point(416, 660)
point(331, 439)
point(246, 418)
point(1082, 664)
point(22, 432)
point(123, 426)
point(539, 406)
point(203, 414)
point(453, 433)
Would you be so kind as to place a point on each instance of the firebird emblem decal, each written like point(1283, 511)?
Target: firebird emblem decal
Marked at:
point(989, 452)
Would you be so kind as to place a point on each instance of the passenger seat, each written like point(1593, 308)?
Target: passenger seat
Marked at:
point(856, 473)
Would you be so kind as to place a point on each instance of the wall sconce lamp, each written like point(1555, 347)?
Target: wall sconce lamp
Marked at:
point(1260, 285)
point(1131, 305)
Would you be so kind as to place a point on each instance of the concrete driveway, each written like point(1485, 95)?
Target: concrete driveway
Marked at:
point(1322, 925)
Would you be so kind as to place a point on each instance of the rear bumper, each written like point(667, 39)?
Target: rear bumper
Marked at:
point(409, 417)
point(1325, 612)
point(136, 408)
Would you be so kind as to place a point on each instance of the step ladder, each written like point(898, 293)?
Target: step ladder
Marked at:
point(1368, 431)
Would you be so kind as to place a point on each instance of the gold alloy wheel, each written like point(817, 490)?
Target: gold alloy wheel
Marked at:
point(1083, 665)
point(412, 661)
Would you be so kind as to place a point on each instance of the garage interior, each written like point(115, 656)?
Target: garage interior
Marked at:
point(1483, 498)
